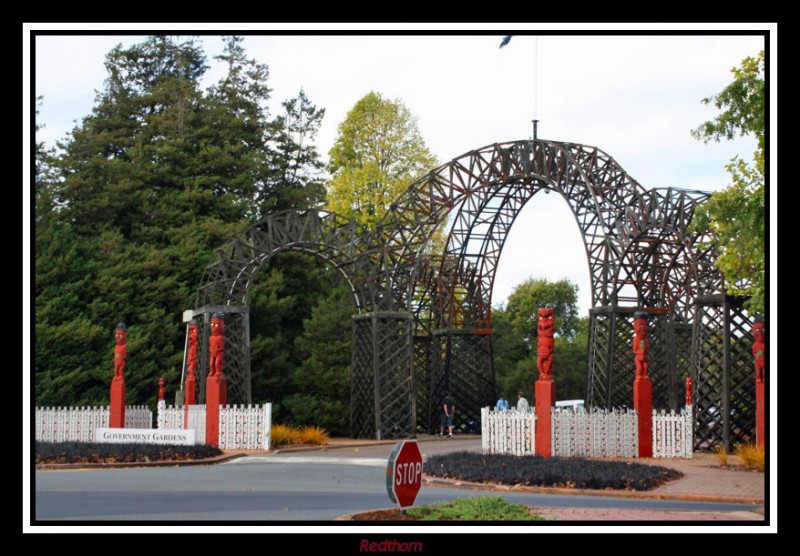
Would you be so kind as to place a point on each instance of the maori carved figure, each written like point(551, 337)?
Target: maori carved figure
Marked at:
point(191, 357)
point(688, 391)
point(120, 351)
point(545, 343)
point(216, 345)
point(759, 348)
point(162, 382)
point(641, 344)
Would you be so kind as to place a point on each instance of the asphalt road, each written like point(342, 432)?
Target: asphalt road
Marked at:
point(306, 486)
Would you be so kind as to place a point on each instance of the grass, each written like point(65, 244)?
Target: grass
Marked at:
point(484, 508)
point(722, 455)
point(752, 455)
point(549, 472)
point(285, 435)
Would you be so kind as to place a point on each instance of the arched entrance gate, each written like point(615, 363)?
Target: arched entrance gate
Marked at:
point(423, 309)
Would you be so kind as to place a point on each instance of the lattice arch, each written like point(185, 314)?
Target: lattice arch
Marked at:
point(423, 312)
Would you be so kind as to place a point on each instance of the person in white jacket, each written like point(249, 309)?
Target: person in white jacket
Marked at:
point(522, 403)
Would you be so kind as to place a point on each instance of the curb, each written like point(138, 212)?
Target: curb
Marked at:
point(125, 464)
point(454, 483)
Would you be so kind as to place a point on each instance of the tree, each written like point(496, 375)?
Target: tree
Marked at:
point(150, 184)
point(534, 293)
point(735, 218)
point(294, 179)
point(514, 338)
point(377, 154)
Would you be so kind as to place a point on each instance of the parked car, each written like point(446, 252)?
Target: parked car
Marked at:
point(574, 406)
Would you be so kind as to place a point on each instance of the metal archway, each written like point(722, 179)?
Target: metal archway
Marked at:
point(431, 304)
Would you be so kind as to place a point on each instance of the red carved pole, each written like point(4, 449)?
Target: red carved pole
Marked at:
point(117, 410)
point(191, 373)
point(759, 349)
point(545, 388)
point(642, 387)
point(688, 390)
point(216, 384)
point(191, 366)
point(162, 383)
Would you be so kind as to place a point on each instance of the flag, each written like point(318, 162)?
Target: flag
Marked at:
point(505, 41)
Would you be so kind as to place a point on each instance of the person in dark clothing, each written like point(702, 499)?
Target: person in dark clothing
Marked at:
point(448, 411)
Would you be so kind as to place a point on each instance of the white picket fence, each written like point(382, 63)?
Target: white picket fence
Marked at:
point(507, 432)
point(245, 427)
point(673, 436)
point(595, 433)
point(77, 424)
point(240, 427)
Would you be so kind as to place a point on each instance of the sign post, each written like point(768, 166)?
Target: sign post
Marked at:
point(404, 473)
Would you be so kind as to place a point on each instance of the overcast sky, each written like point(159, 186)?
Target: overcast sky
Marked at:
point(636, 97)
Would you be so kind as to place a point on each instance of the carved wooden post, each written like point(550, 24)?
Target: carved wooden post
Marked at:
point(642, 387)
point(116, 418)
point(216, 384)
point(191, 366)
point(688, 390)
point(545, 388)
point(759, 350)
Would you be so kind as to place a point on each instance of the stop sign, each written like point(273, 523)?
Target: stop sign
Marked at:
point(404, 473)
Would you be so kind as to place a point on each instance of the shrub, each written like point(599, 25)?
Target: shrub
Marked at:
point(483, 508)
point(752, 455)
point(313, 435)
point(550, 472)
point(85, 452)
point(722, 455)
point(283, 434)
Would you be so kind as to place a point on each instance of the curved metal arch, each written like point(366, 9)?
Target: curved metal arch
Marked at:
point(660, 259)
point(334, 238)
point(595, 185)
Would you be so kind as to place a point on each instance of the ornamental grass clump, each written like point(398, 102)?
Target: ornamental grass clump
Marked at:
point(722, 455)
point(313, 435)
point(282, 435)
point(752, 455)
point(548, 472)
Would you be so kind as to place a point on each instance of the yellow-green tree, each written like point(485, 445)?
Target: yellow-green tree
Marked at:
point(735, 217)
point(378, 153)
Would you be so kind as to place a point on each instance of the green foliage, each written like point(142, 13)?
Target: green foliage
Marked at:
point(321, 382)
point(514, 339)
point(378, 153)
point(735, 218)
point(482, 508)
point(143, 191)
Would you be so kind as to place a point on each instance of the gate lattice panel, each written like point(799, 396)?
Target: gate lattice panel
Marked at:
point(462, 366)
point(382, 374)
point(722, 373)
point(237, 351)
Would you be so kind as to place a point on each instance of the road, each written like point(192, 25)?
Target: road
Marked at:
point(304, 486)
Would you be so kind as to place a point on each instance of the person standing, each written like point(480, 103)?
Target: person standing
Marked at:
point(502, 404)
point(448, 412)
point(522, 403)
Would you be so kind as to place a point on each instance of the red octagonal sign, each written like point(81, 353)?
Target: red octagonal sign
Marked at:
point(404, 473)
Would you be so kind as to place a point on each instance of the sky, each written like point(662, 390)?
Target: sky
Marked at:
point(636, 97)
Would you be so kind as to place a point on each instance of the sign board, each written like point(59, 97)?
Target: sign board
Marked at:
point(188, 315)
point(181, 437)
point(404, 473)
